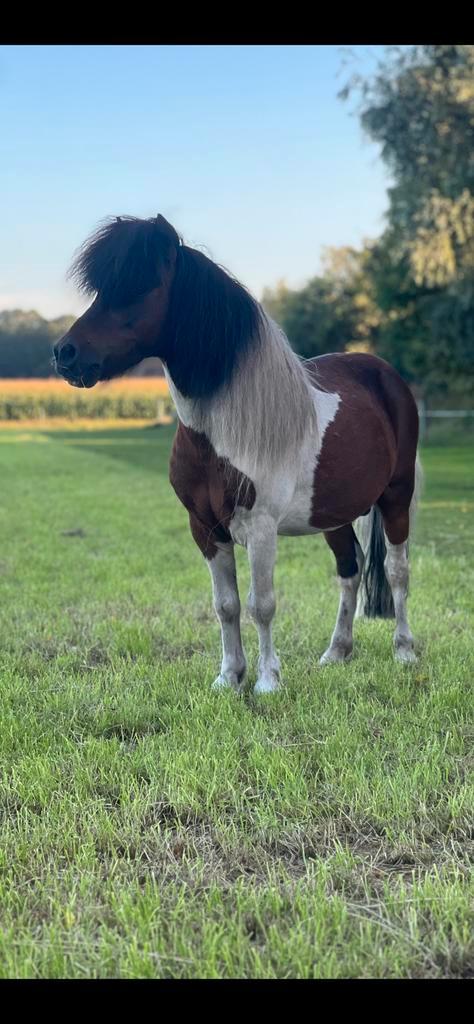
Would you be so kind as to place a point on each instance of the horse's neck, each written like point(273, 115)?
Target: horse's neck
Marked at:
point(260, 419)
point(192, 411)
point(188, 409)
point(199, 415)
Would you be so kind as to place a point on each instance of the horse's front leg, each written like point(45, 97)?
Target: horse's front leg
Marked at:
point(261, 547)
point(227, 606)
point(220, 560)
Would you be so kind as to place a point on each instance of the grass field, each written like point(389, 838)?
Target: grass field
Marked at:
point(152, 828)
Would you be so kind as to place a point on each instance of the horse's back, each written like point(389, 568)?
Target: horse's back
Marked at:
point(344, 369)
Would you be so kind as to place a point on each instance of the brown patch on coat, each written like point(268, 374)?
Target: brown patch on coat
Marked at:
point(208, 486)
point(369, 450)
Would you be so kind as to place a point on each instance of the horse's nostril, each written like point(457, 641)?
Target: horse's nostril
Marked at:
point(67, 354)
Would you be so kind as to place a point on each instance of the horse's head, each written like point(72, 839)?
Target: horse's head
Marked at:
point(129, 266)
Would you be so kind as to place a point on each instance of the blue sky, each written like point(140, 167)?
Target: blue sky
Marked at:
point(245, 149)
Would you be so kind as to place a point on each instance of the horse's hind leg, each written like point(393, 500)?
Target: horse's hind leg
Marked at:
point(349, 560)
point(395, 508)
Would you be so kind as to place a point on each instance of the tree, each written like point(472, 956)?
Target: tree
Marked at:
point(420, 107)
point(307, 317)
point(26, 342)
point(333, 312)
point(352, 294)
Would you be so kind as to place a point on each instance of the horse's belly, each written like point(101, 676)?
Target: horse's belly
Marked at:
point(347, 482)
point(296, 520)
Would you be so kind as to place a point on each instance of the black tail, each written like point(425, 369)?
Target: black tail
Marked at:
point(375, 595)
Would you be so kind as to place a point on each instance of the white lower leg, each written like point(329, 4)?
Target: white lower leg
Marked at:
point(261, 603)
point(396, 570)
point(340, 648)
point(227, 606)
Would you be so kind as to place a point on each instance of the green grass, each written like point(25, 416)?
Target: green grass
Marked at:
point(152, 828)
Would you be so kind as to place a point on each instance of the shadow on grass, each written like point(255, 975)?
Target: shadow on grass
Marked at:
point(142, 447)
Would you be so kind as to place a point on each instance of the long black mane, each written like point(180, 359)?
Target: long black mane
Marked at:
point(212, 320)
point(212, 323)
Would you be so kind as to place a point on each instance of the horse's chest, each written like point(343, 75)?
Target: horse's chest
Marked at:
point(286, 498)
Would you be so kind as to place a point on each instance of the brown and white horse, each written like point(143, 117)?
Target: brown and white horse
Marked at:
point(266, 444)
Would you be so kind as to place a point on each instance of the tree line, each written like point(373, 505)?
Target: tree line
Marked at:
point(26, 341)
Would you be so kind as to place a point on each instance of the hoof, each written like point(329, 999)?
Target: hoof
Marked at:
point(269, 683)
point(406, 655)
point(333, 655)
point(229, 681)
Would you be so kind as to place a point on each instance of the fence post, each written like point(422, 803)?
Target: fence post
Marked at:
point(422, 416)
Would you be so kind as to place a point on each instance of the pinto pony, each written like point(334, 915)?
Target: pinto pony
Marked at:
point(267, 444)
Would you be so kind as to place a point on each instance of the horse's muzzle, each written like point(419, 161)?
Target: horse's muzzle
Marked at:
point(72, 368)
point(84, 377)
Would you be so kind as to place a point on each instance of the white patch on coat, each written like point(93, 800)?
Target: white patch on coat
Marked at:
point(286, 495)
point(295, 521)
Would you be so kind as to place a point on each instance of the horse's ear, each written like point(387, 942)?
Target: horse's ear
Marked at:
point(172, 239)
point(167, 229)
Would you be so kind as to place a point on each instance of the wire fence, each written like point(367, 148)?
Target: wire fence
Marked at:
point(428, 416)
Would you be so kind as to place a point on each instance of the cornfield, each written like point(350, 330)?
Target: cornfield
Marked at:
point(130, 398)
